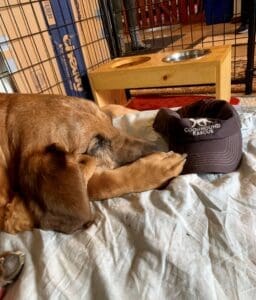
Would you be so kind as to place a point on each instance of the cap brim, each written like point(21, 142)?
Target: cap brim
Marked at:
point(211, 156)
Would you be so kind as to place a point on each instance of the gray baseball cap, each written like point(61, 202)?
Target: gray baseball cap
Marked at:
point(209, 131)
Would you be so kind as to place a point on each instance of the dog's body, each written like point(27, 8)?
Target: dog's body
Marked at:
point(58, 152)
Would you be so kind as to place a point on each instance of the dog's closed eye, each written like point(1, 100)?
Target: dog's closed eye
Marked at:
point(98, 143)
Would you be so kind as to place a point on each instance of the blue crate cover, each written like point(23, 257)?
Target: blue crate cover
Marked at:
point(60, 21)
point(218, 11)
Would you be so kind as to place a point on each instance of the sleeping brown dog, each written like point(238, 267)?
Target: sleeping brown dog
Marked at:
point(57, 153)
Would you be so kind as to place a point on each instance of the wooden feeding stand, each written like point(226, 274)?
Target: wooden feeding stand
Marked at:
point(163, 69)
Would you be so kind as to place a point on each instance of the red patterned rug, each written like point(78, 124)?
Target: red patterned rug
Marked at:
point(148, 102)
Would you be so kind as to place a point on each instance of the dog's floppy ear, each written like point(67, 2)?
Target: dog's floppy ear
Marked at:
point(54, 183)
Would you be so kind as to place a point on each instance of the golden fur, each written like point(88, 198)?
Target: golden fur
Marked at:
point(57, 153)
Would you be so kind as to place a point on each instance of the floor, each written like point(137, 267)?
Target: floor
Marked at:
point(204, 36)
point(194, 34)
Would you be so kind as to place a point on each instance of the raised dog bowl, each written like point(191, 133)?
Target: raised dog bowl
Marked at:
point(130, 61)
point(185, 55)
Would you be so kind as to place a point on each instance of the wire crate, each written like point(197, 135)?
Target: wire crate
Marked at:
point(49, 46)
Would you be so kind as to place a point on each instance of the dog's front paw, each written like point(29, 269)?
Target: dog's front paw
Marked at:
point(160, 167)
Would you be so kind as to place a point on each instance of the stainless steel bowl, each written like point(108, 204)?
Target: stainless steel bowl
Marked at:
point(185, 55)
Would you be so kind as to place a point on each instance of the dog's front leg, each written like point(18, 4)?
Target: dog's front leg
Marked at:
point(144, 174)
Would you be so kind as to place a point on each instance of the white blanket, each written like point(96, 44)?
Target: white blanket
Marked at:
point(196, 239)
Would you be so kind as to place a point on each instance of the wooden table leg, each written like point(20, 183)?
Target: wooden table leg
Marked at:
point(223, 79)
point(104, 97)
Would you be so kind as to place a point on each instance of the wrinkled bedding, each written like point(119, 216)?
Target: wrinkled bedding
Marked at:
point(196, 239)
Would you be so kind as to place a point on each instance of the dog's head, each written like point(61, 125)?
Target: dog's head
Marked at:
point(55, 143)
